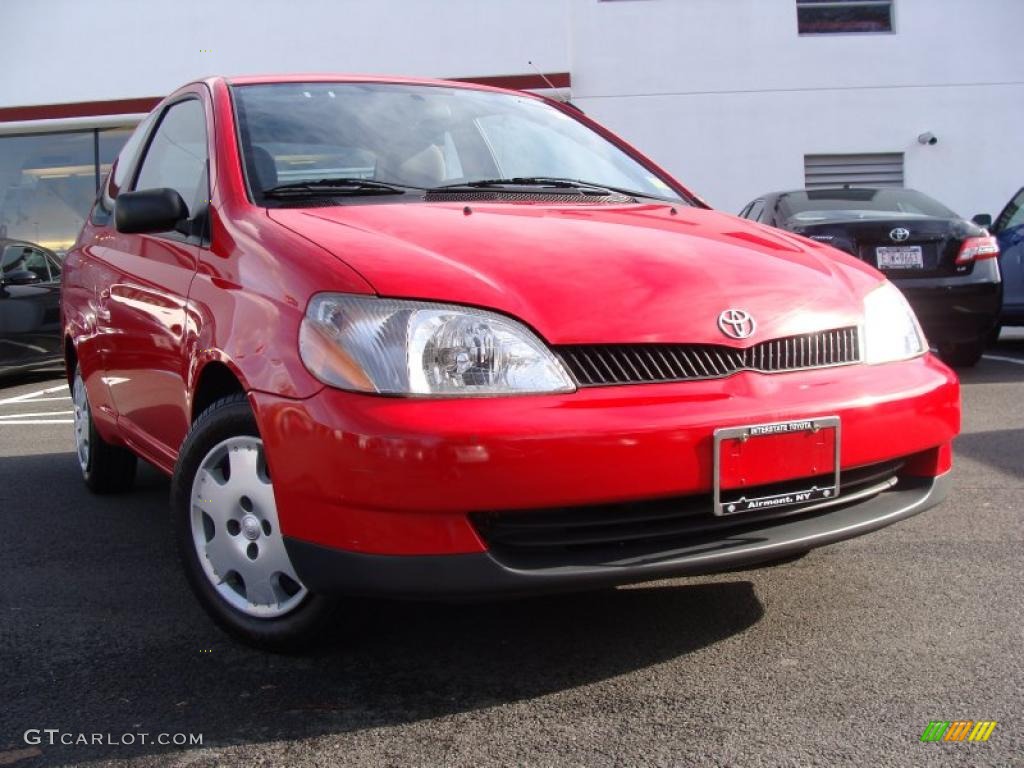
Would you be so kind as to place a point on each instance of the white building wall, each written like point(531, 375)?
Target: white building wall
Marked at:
point(86, 50)
point(724, 93)
point(729, 97)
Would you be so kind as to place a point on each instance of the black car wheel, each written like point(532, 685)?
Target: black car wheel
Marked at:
point(229, 538)
point(962, 354)
point(105, 468)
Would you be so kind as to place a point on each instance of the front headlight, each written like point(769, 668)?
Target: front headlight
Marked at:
point(396, 347)
point(891, 330)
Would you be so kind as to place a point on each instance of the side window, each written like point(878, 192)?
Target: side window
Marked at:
point(1012, 215)
point(18, 258)
point(177, 154)
point(124, 162)
point(746, 210)
point(55, 267)
point(756, 209)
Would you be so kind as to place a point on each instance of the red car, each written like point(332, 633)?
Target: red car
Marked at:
point(428, 339)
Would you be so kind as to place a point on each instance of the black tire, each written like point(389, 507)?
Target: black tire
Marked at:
point(962, 354)
point(993, 336)
point(105, 468)
point(305, 624)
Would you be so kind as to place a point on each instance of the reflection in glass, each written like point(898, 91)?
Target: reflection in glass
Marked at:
point(48, 182)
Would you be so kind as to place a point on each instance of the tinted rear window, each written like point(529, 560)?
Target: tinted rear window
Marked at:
point(810, 206)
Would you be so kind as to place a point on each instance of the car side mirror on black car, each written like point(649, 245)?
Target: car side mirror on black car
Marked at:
point(982, 220)
point(19, 277)
point(149, 211)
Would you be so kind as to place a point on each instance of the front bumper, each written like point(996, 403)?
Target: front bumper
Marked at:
point(368, 475)
point(480, 575)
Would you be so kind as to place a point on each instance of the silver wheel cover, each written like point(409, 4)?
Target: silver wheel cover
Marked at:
point(82, 416)
point(236, 532)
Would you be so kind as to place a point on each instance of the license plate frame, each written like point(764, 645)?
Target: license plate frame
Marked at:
point(790, 498)
point(890, 257)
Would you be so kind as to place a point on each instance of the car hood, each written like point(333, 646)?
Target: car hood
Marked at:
point(595, 274)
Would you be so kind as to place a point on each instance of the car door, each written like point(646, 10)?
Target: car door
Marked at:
point(145, 299)
point(29, 306)
point(1009, 231)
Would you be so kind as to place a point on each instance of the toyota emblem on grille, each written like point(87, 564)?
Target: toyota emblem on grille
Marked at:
point(736, 323)
point(899, 234)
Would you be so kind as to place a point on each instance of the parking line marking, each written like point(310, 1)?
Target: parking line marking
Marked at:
point(1001, 359)
point(30, 395)
point(37, 413)
point(36, 421)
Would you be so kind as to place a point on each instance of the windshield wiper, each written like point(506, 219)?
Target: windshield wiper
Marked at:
point(337, 187)
point(543, 182)
point(554, 184)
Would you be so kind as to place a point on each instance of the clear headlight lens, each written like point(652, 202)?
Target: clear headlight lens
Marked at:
point(891, 330)
point(400, 347)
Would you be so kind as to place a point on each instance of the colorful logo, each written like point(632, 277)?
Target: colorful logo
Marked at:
point(958, 730)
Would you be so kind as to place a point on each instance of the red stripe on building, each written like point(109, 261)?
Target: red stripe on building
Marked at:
point(138, 106)
point(522, 82)
point(78, 109)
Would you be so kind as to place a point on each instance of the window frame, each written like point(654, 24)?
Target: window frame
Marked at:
point(851, 3)
point(1012, 209)
point(196, 237)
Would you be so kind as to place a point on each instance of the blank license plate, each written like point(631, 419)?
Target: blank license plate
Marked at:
point(899, 257)
point(768, 466)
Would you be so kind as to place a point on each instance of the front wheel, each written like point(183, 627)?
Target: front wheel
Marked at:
point(962, 354)
point(229, 536)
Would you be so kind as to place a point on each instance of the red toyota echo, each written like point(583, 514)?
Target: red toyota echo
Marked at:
point(437, 340)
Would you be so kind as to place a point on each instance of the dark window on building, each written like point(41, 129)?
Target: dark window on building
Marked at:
point(822, 17)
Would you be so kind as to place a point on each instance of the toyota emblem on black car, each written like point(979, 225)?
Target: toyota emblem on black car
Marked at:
point(899, 234)
point(736, 323)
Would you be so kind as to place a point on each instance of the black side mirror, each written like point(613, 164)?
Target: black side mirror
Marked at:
point(149, 211)
point(982, 220)
point(20, 277)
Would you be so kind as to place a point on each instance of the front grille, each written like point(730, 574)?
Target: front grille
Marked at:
point(595, 365)
point(608, 532)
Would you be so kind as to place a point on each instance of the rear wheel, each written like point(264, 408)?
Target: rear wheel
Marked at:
point(229, 536)
point(962, 354)
point(105, 468)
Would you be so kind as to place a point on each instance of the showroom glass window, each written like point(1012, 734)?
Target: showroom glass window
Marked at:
point(822, 17)
point(48, 182)
point(176, 155)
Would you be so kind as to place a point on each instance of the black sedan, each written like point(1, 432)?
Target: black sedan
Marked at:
point(29, 306)
point(944, 264)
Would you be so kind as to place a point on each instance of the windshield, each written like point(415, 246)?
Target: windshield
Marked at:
point(422, 137)
point(823, 205)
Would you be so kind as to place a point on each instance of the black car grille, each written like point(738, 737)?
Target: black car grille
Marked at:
point(595, 365)
point(608, 532)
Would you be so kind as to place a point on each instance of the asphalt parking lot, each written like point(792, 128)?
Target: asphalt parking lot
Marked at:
point(841, 658)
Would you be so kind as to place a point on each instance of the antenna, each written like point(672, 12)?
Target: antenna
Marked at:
point(546, 80)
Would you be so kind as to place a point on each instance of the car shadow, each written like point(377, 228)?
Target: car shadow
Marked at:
point(995, 371)
point(100, 635)
point(36, 376)
point(1001, 449)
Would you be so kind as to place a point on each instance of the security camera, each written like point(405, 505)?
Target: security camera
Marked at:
point(928, 138)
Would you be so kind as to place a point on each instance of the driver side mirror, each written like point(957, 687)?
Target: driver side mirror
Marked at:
point(982, 220)
point(149, 211)
point(19, 277)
